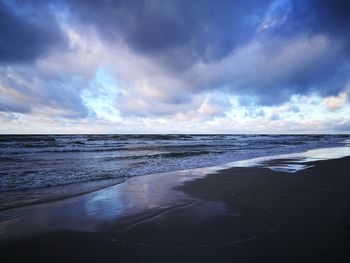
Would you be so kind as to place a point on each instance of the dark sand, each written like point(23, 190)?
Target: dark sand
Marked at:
point(237, 215)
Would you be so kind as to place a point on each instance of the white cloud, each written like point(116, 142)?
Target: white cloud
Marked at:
point(333, 103)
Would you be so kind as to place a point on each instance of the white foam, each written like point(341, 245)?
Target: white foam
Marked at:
point(298, 160)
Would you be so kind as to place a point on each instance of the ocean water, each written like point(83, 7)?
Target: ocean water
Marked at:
point(38, 161)
point(35, 167)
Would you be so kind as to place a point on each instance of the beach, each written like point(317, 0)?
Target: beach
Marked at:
point(174, 131)
point(240, 214)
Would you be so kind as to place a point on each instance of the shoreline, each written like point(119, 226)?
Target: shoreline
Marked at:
point(236, 213)
point(247, 214)
point(36, 196)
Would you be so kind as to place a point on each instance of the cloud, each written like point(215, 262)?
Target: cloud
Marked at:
point(322, 17)
point(312, 117)
point(270, 71)
point(165, 64)
point(53, 84)
point(201, 46)
point(8, 105)
point(336, 102)
point(193, 30)
point(24, 35)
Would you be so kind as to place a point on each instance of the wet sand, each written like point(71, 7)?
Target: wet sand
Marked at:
point(235, 215)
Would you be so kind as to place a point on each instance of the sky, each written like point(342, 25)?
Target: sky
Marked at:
point(174, 66)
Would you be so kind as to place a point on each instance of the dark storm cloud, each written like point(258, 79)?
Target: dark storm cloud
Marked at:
point(27, 30)
point(205, 30)
point(179, 34)
point(330, 73)
point(322, 16)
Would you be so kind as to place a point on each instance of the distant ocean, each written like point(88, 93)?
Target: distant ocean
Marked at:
point(46, 161)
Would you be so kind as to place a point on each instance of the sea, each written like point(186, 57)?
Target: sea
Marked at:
point(39, 168)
